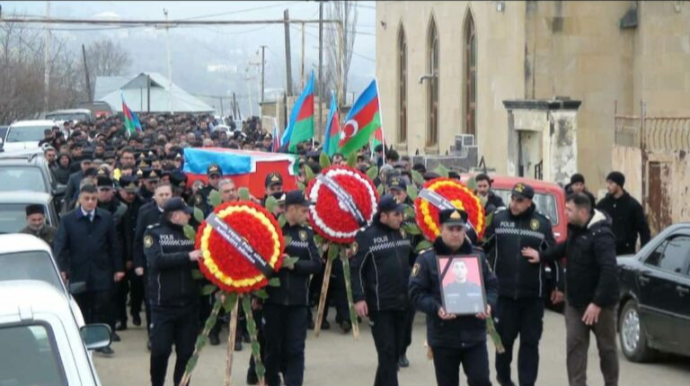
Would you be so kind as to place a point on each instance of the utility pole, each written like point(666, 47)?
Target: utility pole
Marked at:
point(220, 99)
point(303, 55)
point(318, 130)
point(148, 93)
point(46, 62)
point(167, 34)
point(249, 91)
point(263, 70)
point(288, 57)
point(235, 108)
point(86, 72)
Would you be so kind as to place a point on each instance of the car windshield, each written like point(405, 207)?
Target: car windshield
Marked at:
point(29, 356)
point(26, 134)
point(545, 203)
point(16, 178)
point(13, 217)
point(30, 265)
point(68, 117)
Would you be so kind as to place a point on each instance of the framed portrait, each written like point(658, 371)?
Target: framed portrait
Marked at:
point(462, 284)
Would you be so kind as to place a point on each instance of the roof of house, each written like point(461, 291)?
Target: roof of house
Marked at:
point(163, 97)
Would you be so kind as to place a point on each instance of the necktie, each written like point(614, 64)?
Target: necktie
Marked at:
point(91, 216)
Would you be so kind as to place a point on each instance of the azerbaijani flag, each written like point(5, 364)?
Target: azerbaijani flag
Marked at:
point(363, 120)
point(332, 136)
point(301, 125)
point(132, 123)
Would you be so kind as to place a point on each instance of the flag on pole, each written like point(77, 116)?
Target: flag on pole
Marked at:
point(362, 121)
point(132, 123)
point(332, 137)
point(276, 139)
point(301, 125)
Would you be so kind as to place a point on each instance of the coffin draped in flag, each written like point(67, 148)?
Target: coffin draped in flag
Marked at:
point(246, 168)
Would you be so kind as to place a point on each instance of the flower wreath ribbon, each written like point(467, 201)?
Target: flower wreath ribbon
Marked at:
point(243, 247)
point(343, 196)
point(442, 203)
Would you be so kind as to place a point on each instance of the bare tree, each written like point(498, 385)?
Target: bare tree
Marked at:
point(346, 12)
point(106, 58)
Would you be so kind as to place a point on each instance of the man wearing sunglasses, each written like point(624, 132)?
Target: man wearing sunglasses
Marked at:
point(522, 287)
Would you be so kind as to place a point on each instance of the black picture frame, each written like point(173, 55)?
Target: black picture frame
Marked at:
point(460, 297)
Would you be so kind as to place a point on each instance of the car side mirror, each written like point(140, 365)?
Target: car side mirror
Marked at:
point(77, 288)
point(60, 190)
point(96, 336)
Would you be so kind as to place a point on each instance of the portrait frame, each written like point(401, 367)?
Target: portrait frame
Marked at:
point(462, 284)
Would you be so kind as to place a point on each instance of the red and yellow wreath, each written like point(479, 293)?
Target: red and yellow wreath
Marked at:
point(330, 217)
point(460, 196)
point(223, 264)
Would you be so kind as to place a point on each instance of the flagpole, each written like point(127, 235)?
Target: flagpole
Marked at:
point(383, 137)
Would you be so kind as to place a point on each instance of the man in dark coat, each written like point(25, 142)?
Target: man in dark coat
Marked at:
point(74, 181)
point(127, 194)
point(577, 185)
point(491, 200)
point(592, 288)
point(62, 171)
point(36, 225)
point(87, 251)
point(626, 213)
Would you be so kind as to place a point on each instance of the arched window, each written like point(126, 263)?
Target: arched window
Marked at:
point(470, 78)
point(433, 86)
point(402, 86)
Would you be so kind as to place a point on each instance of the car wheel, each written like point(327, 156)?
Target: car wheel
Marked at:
point(631, 333)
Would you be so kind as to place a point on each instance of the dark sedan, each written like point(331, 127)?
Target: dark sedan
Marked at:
point(654, 313)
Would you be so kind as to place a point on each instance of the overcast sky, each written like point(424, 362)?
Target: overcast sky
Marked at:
point(212, 60)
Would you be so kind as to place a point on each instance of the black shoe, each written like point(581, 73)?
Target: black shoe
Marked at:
point(115, 337)
point(346, 326)
point(136, 319)
point(312, 325)
point(325, 325)
point(148, 344)
point(403, 361)
point(238, 345)
point(214, 339)
point(120, 326)
point(252, 379)
point(106, 351)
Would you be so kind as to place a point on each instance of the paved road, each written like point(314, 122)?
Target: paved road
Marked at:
point(338, 360)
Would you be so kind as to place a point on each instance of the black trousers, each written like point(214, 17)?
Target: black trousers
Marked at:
point(136, 291)
point(285, 334)
point(172, 325)
point(388, 329)
point(474, 360)
point(407, 338)
point(522, 317)
point(336, 296)
point(96, 306)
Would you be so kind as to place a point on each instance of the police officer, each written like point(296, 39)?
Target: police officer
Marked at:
point(200, 199)
point(273, 184)
point(453, 339)
point(173, 292)
point(127, 194)
point(523, 286)
point(285, 310)
point(380, 271)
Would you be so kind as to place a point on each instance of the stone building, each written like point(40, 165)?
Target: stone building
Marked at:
point(446, 67)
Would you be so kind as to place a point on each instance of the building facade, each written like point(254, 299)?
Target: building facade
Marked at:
point(445, 68)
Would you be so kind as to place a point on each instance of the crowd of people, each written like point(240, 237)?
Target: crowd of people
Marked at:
point(121, 234)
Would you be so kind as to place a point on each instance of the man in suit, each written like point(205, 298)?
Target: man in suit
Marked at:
point(88, 252)
point(74, 181)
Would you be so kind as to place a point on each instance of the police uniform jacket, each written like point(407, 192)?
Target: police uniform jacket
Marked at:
point(88, 251)
point(505, 238)
point(380, 267)
point(425, 294)
point(169, 269)
point(149, 214)
point(294, 284)
point(200, 199)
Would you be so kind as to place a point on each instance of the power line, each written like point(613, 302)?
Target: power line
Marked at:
point(289, 3)
point(353, 52)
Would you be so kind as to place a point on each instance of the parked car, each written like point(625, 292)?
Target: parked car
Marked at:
point(41, 341)
point(654, 311)
point(13, 209)
point(3, 132)
point(74, 115)
point(23, 135)
point(98, 109)
point(25, 257)
point(29, 171)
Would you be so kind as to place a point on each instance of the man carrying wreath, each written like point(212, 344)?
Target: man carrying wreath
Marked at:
point(454, 340)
